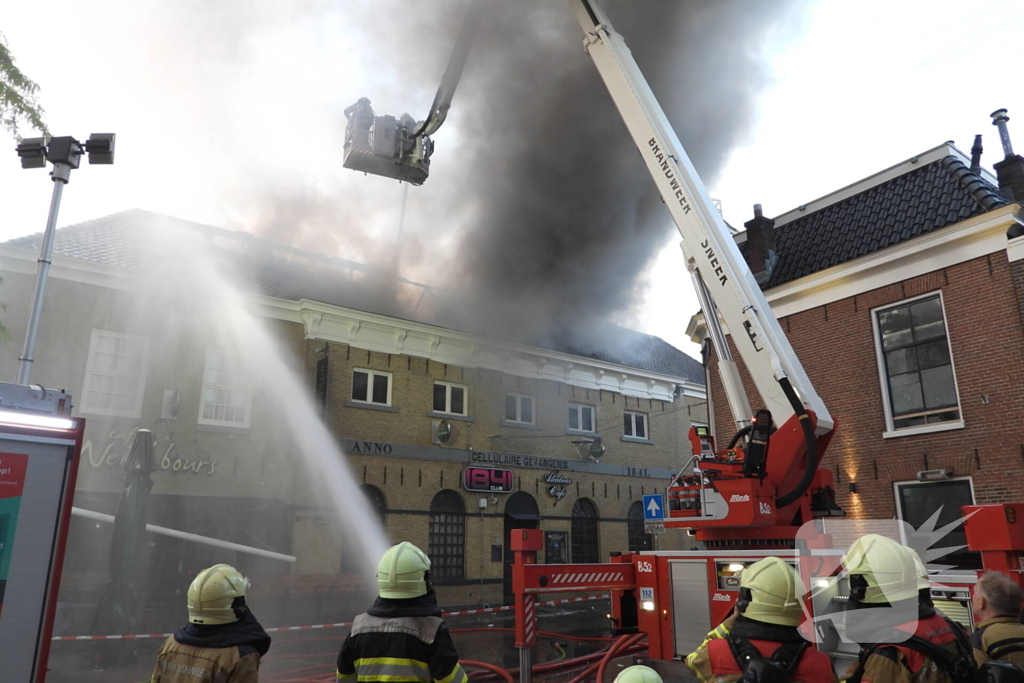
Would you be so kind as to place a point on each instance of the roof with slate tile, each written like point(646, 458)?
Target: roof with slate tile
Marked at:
point(926, 198)
point(284, 272)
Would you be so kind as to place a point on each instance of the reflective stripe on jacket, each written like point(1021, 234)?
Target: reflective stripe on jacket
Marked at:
point(1002, 639)
point(407, 649)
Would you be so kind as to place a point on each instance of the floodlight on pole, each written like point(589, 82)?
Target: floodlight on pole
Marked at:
point(65, 153)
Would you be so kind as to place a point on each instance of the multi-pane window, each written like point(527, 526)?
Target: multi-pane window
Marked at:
point(115, 374)
point(447, 536)
point(917, 502)
point(584, 532)
point(371, 386)
point(634, 425)
point(581, 417)
point(519, 408)
point(226, 394)
point(449, 398)
point(918, 366)
point(639, 539)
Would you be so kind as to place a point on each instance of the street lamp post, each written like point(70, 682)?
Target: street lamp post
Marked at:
point(65, 153)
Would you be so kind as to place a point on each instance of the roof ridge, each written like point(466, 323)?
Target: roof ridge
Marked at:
point(979, 189)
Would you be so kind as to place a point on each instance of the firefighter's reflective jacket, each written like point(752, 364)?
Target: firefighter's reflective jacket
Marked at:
point(715, 662)
point(222, 653)
point(1002, 639)
point(901, 663)
point(400, 641)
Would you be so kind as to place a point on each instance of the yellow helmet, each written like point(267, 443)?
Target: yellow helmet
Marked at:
point(217, 595)
point(638, 674)
point(881, 571)
point(402, 572)
point(923, 582)
point(771, 592)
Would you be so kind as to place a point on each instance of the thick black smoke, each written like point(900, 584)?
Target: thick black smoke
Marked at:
point(567, 215)
point(539, 215)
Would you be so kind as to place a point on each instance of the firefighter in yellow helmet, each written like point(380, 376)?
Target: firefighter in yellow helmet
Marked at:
point(763, 642)
point(903, 639)
point(222, 640)
point(401, 637)
point(638, 674)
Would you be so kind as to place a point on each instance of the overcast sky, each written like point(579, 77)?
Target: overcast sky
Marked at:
point(848, 89)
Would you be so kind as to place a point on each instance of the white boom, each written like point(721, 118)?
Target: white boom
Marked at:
point(711, 251)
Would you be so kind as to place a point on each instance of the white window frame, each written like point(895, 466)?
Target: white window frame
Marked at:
point(448, 398)
point(890, 429)
point(369, 386)
point(519, 409)
point(246, 389)
point(579, 418)
point(899, 505)
point(136, 410)
point(647, 426)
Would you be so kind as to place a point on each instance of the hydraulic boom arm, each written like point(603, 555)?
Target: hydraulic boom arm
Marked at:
point(755, 488)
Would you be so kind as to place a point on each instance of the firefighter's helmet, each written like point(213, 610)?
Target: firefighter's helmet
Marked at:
point(771, 592)
point(923, 582)
point(217, 595)
point(638, 674)
point(881, 571)
point(403, 572)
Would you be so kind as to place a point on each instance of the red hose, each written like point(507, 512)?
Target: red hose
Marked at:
point(633, 640)
point(490, 667)
point(610, 652)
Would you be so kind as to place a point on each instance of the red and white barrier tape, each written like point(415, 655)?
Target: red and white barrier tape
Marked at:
point(278, 629)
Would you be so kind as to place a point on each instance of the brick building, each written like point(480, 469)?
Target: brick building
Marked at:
point(903, 297)
point(421, 409)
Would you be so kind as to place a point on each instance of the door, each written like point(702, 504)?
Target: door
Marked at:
point(521, 512)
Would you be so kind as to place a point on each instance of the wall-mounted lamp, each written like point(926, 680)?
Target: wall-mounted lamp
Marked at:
point(853, 487)
point(933, 475)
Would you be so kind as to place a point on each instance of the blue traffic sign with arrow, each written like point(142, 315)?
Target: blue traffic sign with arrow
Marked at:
point(654, 506)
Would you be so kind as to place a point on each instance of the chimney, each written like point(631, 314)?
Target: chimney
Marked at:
point(976, 151)
point(1009, 171)
point(760, 250)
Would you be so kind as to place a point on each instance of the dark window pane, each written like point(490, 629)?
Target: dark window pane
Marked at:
point(458, 400)
point(447, 536)
point(641, 426)
point(901, 360)
point(440, 398)
point(933, 354)
point(906, 394)
point(639, 539)
point(584, 532)
point(918, 502)
point(894, 325)
point(937, 384)
point(380, 388)
point(574, 417)
point(627, 424)
point(376, 500)
point(588, 419)
point(926, 317)
point(360, 383)
point(526, 404)
point(510, 408)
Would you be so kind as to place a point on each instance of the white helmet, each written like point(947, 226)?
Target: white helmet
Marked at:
point(403, 572)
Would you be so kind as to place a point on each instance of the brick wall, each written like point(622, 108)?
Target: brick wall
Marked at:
point(835, 343)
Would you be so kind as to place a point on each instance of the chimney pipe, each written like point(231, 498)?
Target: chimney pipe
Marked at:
point(999, 119)
point(976, 151)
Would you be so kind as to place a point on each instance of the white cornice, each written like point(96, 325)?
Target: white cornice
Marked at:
point(384, 334)
point(964, 241)
point(1015, 249)
point(17, 260)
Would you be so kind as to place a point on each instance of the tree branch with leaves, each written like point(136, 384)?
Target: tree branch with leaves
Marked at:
point(18, 104)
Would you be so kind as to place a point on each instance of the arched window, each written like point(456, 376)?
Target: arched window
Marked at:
point(447, 548)
point(584, 532)
point(638, 538)
point(375, 499)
